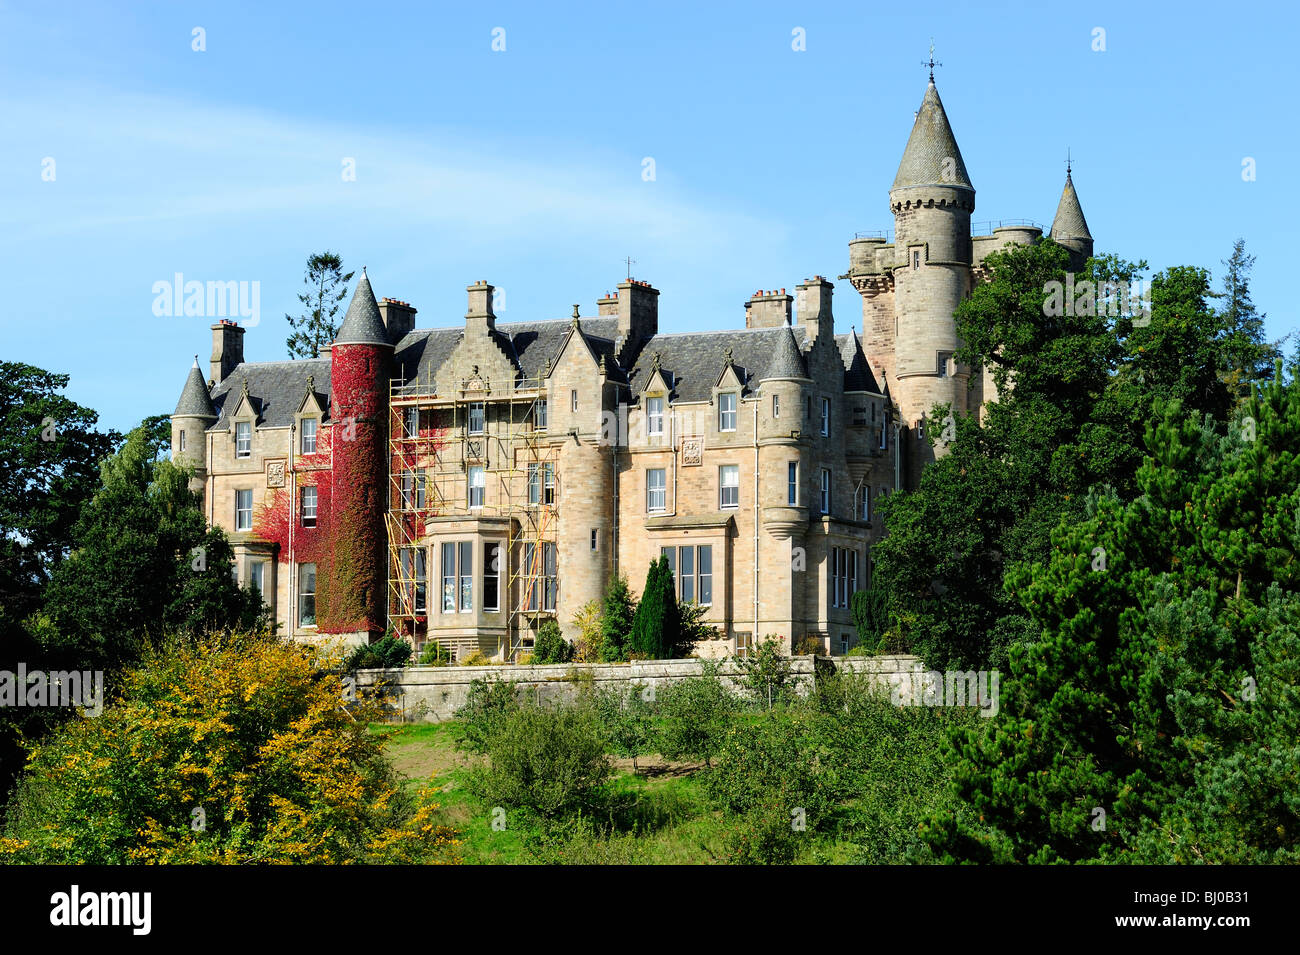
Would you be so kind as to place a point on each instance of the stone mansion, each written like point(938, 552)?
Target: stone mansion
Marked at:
point(467, 482)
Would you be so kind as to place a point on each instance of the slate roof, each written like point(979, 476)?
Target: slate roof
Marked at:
point(928, 148)
point(276, 387)
point(692, 361)
point(529, 344)
point(362, 325)
point(857, 370)
point(1069, 222)
point(786, 361)
point(195, 399)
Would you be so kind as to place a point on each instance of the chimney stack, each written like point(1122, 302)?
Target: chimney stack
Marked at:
point(399, 318)
point(607, 305)
point(768, 309)
point(814, 306)
point(638, 316)
point(227, 350)
point(479, 318)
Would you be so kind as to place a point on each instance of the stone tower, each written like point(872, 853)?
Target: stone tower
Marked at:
point(1070, 228)
point(356, 595)
point(932, 200)
point(194, 414)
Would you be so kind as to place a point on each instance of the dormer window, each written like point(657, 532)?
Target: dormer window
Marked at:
point(309, 426)
point(727, 411)
point(243, 439)
point(654, 410)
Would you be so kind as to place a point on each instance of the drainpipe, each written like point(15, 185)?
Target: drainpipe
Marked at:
point(291, 611)
point(754, 639)
point(672, 445)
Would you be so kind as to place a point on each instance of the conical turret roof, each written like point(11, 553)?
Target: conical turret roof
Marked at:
point(363, 324)
point(786, 362)
point(926, 160)
point(196, 401)
point(1069, 222)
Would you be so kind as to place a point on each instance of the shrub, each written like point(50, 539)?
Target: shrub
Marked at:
point(617, 613)
point(587, 621)
point(628, 720)
point(476, 659)
point(435, 654)
point(807, 645)
point(694, 715)
point(255, 735)
point(487, 705)
point(547, 761)
point(550, 645)
point(694, 629)
point(767, 673)
point(389, 653)
point(871, 616)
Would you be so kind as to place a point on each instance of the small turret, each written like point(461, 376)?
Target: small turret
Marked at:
point(194, 414)
point(1070, 228)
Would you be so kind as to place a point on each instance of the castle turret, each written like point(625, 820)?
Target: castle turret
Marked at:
point(194, 414)
point(355, 596)
point(1070, 228)
point(932, 200)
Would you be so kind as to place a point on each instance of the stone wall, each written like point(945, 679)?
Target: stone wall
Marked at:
point(433, 694)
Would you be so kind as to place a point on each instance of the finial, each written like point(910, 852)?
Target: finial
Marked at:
point(244, 392)
point(602, 363)
point(311, 382)
point(575, 315)
point(196, 361)
point(726, 355)
point(654, 361)
point(931, 62)
point(1067, 163)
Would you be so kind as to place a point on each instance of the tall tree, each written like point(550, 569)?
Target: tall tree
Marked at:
point(1154, 717)
point(326, 288)
point(657, 627)
point(50, 452)
point(1248, 357)
point(144, 564)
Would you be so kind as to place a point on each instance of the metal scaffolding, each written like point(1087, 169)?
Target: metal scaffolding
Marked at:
point(434, 439)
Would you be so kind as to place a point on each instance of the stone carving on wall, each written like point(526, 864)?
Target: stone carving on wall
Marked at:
point(692, 451)
point(275, 473)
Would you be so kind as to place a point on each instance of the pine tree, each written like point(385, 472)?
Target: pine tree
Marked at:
point(1247, 355)
point(657, 627)
point(618, 609)
point(327, 286)
point(1166, 664)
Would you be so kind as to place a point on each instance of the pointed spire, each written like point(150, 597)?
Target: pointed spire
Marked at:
point(932, 157)
point(196, 401)
point(1069, 222)
point(786, 362)
point(363, 324)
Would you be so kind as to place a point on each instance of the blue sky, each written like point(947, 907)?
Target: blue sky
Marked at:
point(524, 167)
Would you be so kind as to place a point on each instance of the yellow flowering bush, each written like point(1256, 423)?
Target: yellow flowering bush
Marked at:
point(243, 751)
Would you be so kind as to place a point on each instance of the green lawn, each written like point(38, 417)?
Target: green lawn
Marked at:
point(660, 815)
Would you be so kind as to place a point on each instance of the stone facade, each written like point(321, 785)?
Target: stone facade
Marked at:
point(528, 463)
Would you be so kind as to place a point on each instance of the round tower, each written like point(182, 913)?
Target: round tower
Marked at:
point(194, 414)
point(585, 530)
point(932, 200)
point(355, 598)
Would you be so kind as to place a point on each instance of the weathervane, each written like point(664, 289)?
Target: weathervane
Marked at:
point(931, 63)
point(1067, 162)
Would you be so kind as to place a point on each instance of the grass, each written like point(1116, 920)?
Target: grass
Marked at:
point(656, 816)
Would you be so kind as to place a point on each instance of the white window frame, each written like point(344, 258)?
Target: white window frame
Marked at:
point(243, 515)
point(309, 510)
point(492, 572)
point(725, 471)
point(654, 412)
point(539, 415)
point(476, 481)
point(650, 489)
point(825, 497)
point(826, 417)
point(243, 439)
point(727, 411)
point(776, 406)
point(477, 409)
point(310, 429)
point(573, 400)
point(792, 483)
point(182, 439)
point(305, 594)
